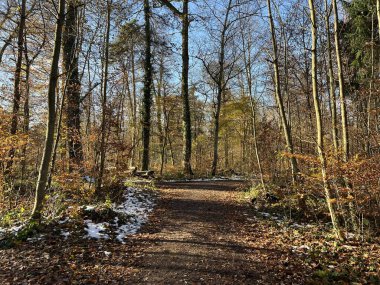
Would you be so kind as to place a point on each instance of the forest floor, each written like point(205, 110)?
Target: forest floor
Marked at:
point(199, 233)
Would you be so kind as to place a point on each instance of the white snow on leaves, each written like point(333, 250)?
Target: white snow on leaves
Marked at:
point(137, 205)
point(13, 230)
point(96, 230)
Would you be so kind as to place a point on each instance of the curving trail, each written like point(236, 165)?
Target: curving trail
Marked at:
point(203, 237)
point(198, 234)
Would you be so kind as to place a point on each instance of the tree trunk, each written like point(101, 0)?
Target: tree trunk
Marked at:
point(318, 118)
point(371, 86)
point(70, 67)
point(26, 115)
point(103, 150)
point(331, 81)
point(166, 133)
point(343, 109)
point(49, 140)
point(147, 99)
point(221, 84)
point(253, 111)
point(134, 108)
point(159, 109)
point(186, 118)
point(378, 14)
point(216, 131)
point(57, 138)
point(185, 91)
point(280, 104)
point(226, 151)
point(17, 80)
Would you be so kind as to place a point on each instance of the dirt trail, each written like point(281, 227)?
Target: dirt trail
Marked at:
point(203, 238)
point(198, 234)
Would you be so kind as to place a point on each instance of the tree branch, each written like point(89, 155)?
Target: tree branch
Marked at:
point(172, 8)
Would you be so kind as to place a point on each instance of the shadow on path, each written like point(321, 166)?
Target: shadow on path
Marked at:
point(201, 238)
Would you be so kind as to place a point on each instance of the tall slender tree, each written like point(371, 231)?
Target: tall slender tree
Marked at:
point(70, 67)
point(331, 81)
point(186, 117)
point(378, 15)
point(17, 79)
point(103, 148)
point(148, 79)
point(49, 140)
point(279, 99)
point(343, 109)
point(318, 118)
point(342, 94)
point(221, 83)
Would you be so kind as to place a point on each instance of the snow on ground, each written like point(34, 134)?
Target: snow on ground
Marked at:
point(96, 231)
point(13, 230)
point(131, 215)
point(65, 234)
point(136, 205)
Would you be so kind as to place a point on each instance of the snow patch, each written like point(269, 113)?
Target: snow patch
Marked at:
point(65, 234)
point(301, 249)
point(12, 230)
point(89, 207)
point(96, 231)
point(65, 220)
point(136, 206)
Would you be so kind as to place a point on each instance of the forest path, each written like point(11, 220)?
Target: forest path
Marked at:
point(203, 237)
point(198, 233)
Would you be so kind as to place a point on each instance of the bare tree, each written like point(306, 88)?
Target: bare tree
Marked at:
point(279, 99)
point(318, 118)
point(342, 94)
point(70, 66)
point(17, 79)
point(49, 140)
point(104, 100)
point(331, 80)
point(221, 69)
point(148, 79)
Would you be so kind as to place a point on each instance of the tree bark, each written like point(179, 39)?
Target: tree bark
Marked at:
point(343, 108)
point(331, 81)
point(378, 14)
point(254, 131)
point(318, 118)
point(216, 131)
point(26, 115)
point(159, 109)
point(103, 134)
point(186, 116)
point(147, 99)
point(70, 67)
point(134, 108)
point(280, 104)
point(49, 140)
point(17, 81)
point(187, 136)
point(221, 84)
point(57, 138)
